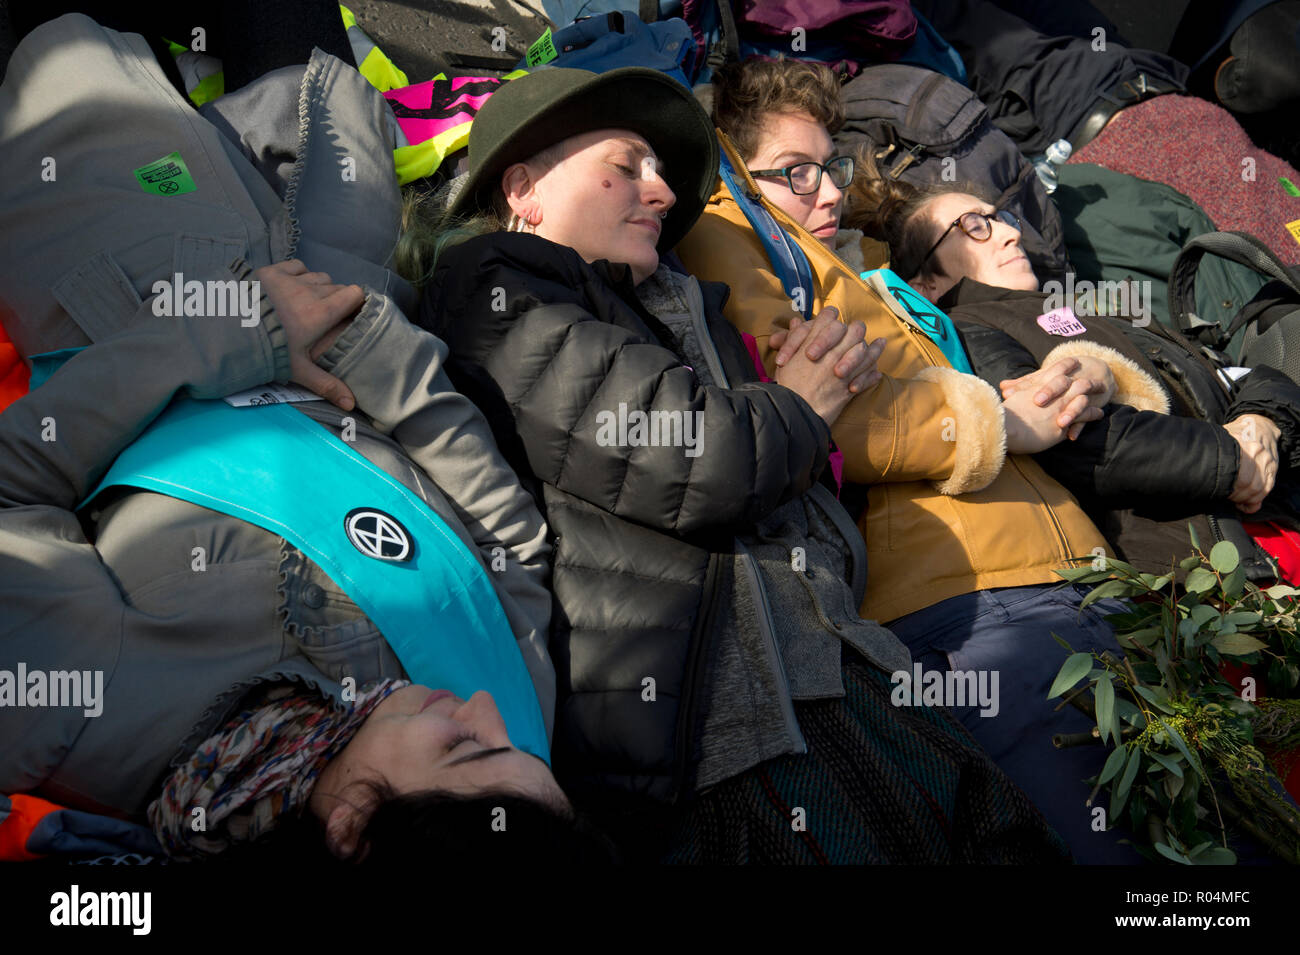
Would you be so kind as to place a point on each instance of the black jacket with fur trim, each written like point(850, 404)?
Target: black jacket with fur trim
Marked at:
point(1160, 458)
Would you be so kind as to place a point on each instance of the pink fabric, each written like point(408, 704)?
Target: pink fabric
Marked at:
point(836, 459)
point(419, 96)
point(1198, 148)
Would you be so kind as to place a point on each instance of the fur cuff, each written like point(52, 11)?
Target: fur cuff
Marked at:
point(1133, 386)
point(848, 246)
point(979, 430)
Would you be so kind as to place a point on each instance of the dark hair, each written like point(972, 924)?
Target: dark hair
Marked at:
point(486, 828)
point(890, 210)
point(744, 93)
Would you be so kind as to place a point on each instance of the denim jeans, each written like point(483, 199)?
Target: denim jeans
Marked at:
point(1009, 631)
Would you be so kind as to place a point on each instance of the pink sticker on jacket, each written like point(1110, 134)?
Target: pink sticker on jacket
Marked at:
point(1061, 321)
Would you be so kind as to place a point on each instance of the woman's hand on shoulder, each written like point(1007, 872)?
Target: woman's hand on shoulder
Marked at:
point(313, 311)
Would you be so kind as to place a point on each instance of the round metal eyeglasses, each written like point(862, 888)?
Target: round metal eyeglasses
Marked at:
point(977, 225)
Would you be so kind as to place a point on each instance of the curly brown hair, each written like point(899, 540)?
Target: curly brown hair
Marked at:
point(744, 93)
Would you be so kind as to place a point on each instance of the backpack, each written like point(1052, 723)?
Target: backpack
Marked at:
point(926, 128)
point(1266, 331)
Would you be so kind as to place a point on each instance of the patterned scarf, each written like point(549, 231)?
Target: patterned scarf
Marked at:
point(259, 767)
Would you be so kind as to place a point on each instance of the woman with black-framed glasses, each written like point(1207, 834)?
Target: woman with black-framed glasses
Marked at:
point(805, 178)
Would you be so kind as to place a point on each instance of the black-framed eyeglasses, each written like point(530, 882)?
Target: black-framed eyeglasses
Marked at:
point(805, 178)
point(977, 225)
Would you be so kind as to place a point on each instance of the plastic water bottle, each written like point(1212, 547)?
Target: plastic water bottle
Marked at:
point(1046, 164)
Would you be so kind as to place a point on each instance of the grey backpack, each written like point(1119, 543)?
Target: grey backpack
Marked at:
point(916, 119)
point(1267, 329)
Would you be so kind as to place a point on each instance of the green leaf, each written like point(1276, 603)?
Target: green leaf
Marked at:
point(1196, 539)
point(1200, 580)
point(1235, 584)
point(1202, 614)
point(1187, 563)
point(1224, 557)
point(1145, 637)
point(1168, 762)
point(1074, 668)
point(1076, 574)
point(1112, 588)
point(1105, 705)
point(1168, 853)
point(1060, 642)
point(1177, 740)
point(1243, 618)
point(1114, 763)
point(1278, 591)
point(1126, 782)
point(1157, 696)
point(1114, 563)
point(1237, 644)
point(1128, 712)
point(1216, 856)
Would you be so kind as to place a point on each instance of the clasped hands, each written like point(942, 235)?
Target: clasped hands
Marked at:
point(1040, 408)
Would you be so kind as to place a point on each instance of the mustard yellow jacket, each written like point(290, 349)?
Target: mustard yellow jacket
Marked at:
point(948, 511)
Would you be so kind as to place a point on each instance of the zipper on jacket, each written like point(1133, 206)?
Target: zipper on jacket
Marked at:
point(767, 632)
point(701, 639)
point(1060, 532)
point(702, 337)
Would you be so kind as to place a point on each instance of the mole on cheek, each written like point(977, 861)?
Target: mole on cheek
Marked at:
point(605, 183)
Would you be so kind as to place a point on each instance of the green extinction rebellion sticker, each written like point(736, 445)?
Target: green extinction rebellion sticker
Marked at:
point(168, 176)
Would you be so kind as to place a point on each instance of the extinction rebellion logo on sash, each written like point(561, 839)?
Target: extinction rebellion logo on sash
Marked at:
point(377, 534)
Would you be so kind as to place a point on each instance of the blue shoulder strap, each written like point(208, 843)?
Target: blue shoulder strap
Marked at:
point(398, 561)
point(788, 260)
point(928, 317)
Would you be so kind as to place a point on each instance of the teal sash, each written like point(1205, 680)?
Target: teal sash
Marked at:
point(276, 468)
point(929, 318)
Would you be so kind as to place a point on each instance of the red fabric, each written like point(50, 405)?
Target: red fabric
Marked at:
point(1198, 148)
point(14, 373)
point(25, 814)
point(1282, 544)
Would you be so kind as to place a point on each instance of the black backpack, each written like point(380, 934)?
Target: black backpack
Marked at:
point(1267, 329)
point(916, 118)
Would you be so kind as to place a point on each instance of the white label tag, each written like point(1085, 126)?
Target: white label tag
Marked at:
point(271, 394)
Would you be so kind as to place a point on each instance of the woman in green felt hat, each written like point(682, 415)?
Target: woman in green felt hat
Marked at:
point(719, 698)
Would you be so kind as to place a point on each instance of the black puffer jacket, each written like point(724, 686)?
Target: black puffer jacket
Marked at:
point(544, 342)
point(1141, 474)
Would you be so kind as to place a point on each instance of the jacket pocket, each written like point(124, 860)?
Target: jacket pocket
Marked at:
point(98, 295)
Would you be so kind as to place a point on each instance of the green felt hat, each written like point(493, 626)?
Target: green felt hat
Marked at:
point(528, 114)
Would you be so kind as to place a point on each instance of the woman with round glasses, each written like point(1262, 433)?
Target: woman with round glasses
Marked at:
point(1153, 463)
